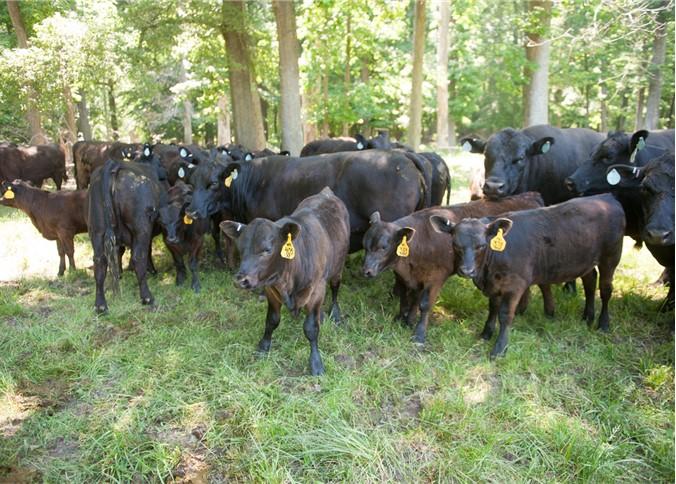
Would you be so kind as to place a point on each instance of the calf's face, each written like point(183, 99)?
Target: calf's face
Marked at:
point(657, 193)
point(471, 240)
point(209, 190)
point(380, 244)
point(260, 245)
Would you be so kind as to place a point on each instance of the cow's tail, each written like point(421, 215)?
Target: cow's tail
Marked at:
point(426, 174)
point(448, 188)
point(109, 239)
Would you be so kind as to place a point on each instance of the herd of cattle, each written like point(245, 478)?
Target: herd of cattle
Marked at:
point(292, 221)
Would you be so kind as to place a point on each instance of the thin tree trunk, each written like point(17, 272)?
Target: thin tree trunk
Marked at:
point(347, 80)
point(310, 131)
point(187, 106)
point(289, 52)
point(640, 100)
point(652, 112)
point(442, 74)
point(112, 108)
point(670, 114)
point(71, 123)
point(224, 135)
point(106, 112)
point(537, 52)
point(246, 106)
point(415, 112)
point(84, 125)
point(32, 113)
point(604, 109)
point(622, 118)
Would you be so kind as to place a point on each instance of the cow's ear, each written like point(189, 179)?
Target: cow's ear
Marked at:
point(541, 146)
point(407, 232)
point(185, 153)
point(502, 223)
point(230, 168)
point(375, 217)
point(638, 140)
point(441, 224)
point(232, 229)
point(473, 145)
point(289, 228)
point(361, 142)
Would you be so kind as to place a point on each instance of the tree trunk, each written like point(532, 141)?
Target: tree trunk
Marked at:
point(289, 52)
point(224, 135)
point(537, 52)
point(112, 108)
point(83, 123)
point(187, 106)
point(652, 112)
point(347, 80)
point(622, 118)
point(106, 112)
point(246, 106)
point(604, 109)
point(71, 124)
point(442, 75)
point(32, 113)
point(415, 112)
point(310, 131)
point(640, 100)
point(670, 114)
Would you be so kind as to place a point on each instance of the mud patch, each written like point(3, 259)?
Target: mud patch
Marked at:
point(14, 410)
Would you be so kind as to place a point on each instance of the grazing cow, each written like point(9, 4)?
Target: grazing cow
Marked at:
point(542, 246)
point(272, 187)
point(422, 270)
point(57, 215)
point(182, 235)
point(33, 164)
point(293, 259)
point(124, 203)
point(89, 155)
point(655, 184)
point(538, 158)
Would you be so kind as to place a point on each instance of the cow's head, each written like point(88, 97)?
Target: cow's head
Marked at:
point(172, 215)
point(260, 247)
point(147, 155)
point(617, 149)
point(471, 239)
point(507, 156)
point(380, 243)
point(210, 193)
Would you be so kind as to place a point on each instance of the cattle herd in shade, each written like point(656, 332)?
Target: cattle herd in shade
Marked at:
point(556, 205)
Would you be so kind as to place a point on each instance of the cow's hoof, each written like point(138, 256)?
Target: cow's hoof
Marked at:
point(497, 353)
point(317, 369)
point(264, 347)
point(101, 309)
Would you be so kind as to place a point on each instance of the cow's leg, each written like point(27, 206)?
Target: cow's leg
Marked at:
point(271, 322)
point(523, 302)
point(506, 315)
point(62, 257)
point(589, 284)
point(216, 234)
point(311, 328)
point(334, 314)
point(668, 304)
point(414, 298)
point(194, 258)
point(151, 266)
point(58, 179)
point(429, 297)
point(399, 290)
point(489, 327)
point(69, 249)
point(179, 265)
point(100, 269)
point(547, 299)
point(139, 256)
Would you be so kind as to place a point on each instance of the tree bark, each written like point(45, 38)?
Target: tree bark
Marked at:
point(640, 100)
point(84, 125)
point(187, 106)
point(246, 106)
point(537, 52)
point(289, 52)
point(652, 112)
point(71, 123)
point(32, 113)
point(670, 114)
point(442, 74)
point(415, 112)
point(224, 135)
point(112, 108)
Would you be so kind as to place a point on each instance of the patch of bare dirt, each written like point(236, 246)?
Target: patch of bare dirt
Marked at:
point(18, 475)
point(480, 385)
point(193, 466)
point(14, 409)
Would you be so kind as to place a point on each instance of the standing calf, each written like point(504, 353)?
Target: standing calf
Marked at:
point(540, 246)
point(421, 273)
point(57, 215)
point(293, 259)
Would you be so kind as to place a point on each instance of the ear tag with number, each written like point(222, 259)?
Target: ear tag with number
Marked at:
point(181, 172)
point(466, 146)
point(498, 243)
point(146, 152)
point(360, 146)
point(402, 248)
point(613, 177)
point(545, 147)
point(288, 250)
point(9, 194)
point(228, 181)
point(187, 219)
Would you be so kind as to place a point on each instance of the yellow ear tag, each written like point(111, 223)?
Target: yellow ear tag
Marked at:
point(9, 194)
point(498, 243)
point(288, 250)
point(228, 181)
point(402, 248)
point(187, 220)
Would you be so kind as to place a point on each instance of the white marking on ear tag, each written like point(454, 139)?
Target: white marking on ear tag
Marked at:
point(545, 147)
point(181, 172)
point(146, 152)
point(183, 152)
point(360, 145)
point(613, 177)
point(466, 146)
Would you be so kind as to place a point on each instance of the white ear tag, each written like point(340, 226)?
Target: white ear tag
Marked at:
point(234, 174)
point(360, 145)
point(546, 146)
point(183, 152)
point(613, 177)
point(466, 146)
point(146, 152)
point(181, 172)
point(191, 166)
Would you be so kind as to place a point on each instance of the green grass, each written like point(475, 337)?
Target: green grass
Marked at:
point(177, 393)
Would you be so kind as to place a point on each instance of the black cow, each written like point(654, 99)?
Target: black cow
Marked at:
point(293, 259)
point(89, 155)
point(329, 145)
point(272, 187)
point(538, 158)
point(57, 215)
point(33, 164)
point(238, 152)
point(542, 246)
point(124, 203)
